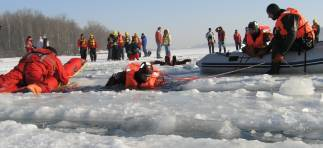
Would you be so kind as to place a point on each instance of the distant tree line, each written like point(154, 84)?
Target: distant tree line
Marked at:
point(61, 32)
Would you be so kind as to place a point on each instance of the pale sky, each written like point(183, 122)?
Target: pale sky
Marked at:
point(187, 20)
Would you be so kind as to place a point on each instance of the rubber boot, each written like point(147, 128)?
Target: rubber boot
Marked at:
point(275, 67)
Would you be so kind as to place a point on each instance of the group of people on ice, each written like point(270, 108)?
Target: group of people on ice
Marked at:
point(40, 71)
point(292, 32)
point(85, 45)
point(119, 44)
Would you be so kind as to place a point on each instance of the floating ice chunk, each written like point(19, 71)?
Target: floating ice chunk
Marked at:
point(263, 94)
point(297, 86)
point(268, 134)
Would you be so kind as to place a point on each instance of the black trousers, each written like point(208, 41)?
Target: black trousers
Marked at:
point(93, 54)
point(83, 53)
point(211, 48)
point(238, 45)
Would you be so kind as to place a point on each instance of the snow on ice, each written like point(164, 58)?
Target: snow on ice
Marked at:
point(228, 111)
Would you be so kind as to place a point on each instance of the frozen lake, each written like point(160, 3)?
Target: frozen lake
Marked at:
point(228, 111)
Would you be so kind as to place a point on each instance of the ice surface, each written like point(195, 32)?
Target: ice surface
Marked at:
point(14, 134)
point(297, 86)
point(228, 111)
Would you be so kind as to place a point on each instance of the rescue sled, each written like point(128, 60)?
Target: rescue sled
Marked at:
point(295, 62)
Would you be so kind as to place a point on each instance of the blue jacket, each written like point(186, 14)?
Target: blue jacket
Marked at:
point(144, 40)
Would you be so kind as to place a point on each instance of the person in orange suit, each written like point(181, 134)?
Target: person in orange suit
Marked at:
point(39, 71)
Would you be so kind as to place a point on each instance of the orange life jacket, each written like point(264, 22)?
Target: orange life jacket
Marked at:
point(304, 28)
point(152, 81)
point(120, 41)
point(259, 42)
point(82, 43)
point(92, 43)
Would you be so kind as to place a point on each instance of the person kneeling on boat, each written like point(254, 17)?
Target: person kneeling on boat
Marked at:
point(39, 71)
point(136, 76)
point(292, 32)
point(172, 62)
point(256, 40)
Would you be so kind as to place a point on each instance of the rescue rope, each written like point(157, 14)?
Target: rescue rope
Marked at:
point(215, 75)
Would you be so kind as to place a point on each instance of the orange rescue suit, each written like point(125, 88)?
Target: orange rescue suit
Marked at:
point(153, 81)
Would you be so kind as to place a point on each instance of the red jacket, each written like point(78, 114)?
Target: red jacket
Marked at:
point(158, 37)
point(237, 37)
point(221, 35)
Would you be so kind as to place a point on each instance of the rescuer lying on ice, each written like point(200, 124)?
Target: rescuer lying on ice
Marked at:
point(136, 76)
point(172, 62)
point(39, 71)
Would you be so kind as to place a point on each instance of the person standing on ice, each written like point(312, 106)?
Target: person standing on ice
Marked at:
point(127, 42)
point(29, 44)
point(40, 42)
point(292, 32)
point(210, 40)
point(144, 44)
point(45, 42)
point(159, 41)
point(82, 45)
point(167, 42)
point(133, 49)
point(237, 39)
point(115, 51)
point(120, 46)
point(316, 28)
point(92, 45)
point(221, 38)
point(109, 46)
point(256, 39)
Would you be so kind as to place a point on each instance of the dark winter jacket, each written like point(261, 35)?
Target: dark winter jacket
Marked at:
point(144, 40)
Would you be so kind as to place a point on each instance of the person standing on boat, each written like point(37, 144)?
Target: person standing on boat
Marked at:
point(221, 37)
point(292, 32)
point(256, 39)
point(316, 28)
point(237, 39)
point(210, 40)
